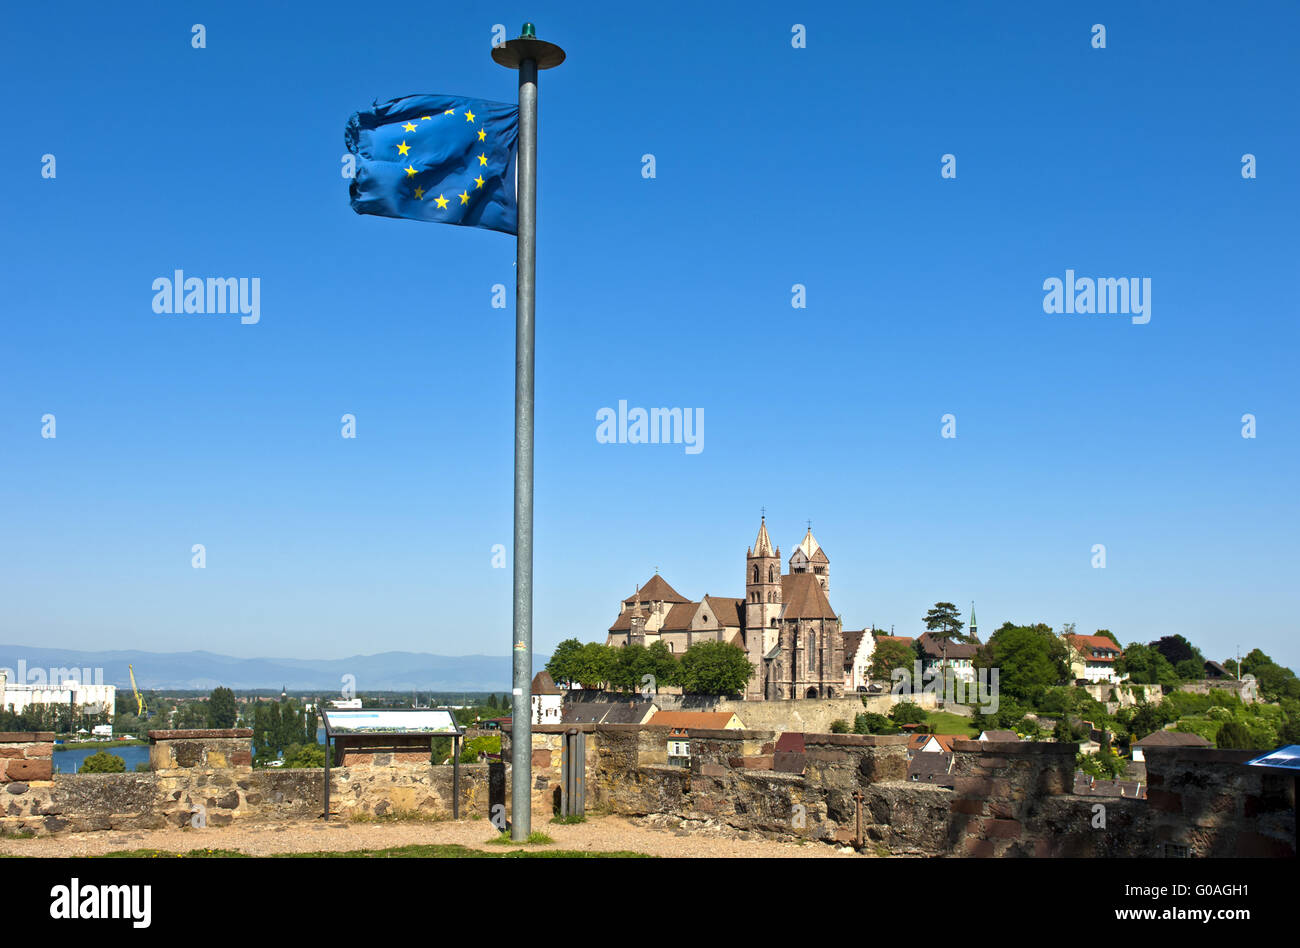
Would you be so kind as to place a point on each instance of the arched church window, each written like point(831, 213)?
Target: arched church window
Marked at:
point(755, 574)
point(771, 574)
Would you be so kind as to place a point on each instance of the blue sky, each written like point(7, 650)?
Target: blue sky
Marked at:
point(774, 166)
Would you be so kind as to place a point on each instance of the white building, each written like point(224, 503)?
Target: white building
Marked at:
point(90, 699)
point(548, 700)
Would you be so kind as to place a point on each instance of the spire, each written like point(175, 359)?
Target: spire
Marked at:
point(809, 543)
point(763, 545)
point(971, 629)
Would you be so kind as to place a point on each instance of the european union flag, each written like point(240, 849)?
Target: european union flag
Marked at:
point(442, 158)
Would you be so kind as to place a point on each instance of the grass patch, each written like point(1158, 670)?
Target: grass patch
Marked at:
point(945, 722)
point(102, 745)
point(164, 854)
point(569, 820)
point(535, 838)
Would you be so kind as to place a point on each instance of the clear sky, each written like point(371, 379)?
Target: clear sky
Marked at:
point(774, 166)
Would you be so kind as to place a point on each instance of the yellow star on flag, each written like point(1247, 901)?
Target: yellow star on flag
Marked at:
point(469, 116)
point(419, 194)
point(403, 148)
point(440, 201)
point(482, 159)
point(410, 171)
point(479, 182)
point(482, 134)
point(450, 112)
point(425, 118)
point(464, 197)
point(409, 127)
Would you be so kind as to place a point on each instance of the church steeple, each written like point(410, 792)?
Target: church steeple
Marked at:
point(971, 629)
point(763, 545)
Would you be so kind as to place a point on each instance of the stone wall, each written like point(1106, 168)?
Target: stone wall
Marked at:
point(207, 748)
point(1012, 799)
point(26, 756)
point(802, 714)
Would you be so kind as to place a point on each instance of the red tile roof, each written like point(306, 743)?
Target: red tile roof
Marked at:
point(803, 597)
point(656, 590)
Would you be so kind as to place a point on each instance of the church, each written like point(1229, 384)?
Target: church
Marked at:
point(785, 623)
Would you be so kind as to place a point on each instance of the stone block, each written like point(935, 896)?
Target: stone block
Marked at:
point(27, 770)
point(1164, 801)
point(1001, 829)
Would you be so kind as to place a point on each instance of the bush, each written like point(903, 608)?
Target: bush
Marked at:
point(839, 726)
point(872, 723)
point(1233, 736)
point(907, 712)
point(103, 763)
point(143, 767)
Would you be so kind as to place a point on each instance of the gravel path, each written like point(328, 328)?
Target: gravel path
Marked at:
point(598, 834)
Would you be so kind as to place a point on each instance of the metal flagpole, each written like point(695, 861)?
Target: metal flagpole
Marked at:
point(527, 54)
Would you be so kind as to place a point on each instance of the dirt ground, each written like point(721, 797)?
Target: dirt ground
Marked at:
point(598, 834)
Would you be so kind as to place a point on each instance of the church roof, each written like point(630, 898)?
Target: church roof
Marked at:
point(725, 609)
point(763, 545)
point(803, 598)
point(811, 549)
point(656, 590)
point(679, 617)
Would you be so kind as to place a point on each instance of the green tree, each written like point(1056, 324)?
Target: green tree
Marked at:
point(592, 665)
point(221, 708)
point(907, 712)
point(562, 665)
point(869, 722)
point(1145, 665)
point(1233, 736)
point(715, 668)
point(631, 664)
point(304, 755)
point(103, 763)
point(1107, 633)
point(1177, 649)
point(664, 665)
point(889, 655)
point(1029, 659)
point(839, 726)
point(944, 625)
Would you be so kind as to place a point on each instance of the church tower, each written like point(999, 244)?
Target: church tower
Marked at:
point(809, 557)
point(762, 604)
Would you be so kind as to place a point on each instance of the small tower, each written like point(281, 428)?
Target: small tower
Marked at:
point(971, 629)
point(809, 557)
point(636, 621)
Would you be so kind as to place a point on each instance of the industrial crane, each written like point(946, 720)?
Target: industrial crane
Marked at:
point(139, 699)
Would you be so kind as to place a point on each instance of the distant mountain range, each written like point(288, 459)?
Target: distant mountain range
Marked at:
point(386, 671)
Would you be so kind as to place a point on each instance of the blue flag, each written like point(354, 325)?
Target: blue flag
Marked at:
point(442, 158)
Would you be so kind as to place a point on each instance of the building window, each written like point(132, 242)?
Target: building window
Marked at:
point(771, 574)
point(755, 575)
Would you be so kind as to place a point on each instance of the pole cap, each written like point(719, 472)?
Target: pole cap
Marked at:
point(514, 52)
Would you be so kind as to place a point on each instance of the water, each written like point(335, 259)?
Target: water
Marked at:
point(70, 761)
